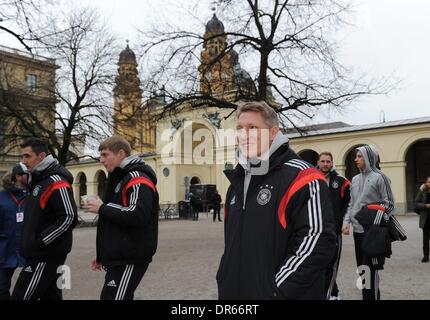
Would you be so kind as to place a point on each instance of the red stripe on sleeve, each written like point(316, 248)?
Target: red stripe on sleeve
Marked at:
point(133, 182)
point(376, 207)
point(50, 190)
point(345, 184)
point(303, 178)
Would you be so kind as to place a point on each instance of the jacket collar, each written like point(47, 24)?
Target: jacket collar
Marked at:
point(44, 164)
point(41, 170)
point(281, 155)
point(279, 140)
point(130, 160)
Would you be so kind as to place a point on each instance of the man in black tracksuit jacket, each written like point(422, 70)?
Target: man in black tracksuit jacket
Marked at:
point(49, 218)
point(127, 229)
point(279, 229)
point(340, 196)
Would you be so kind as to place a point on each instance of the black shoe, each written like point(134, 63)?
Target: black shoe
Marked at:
point(425, 259)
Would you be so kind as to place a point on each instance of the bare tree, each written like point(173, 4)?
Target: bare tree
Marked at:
point(24, 20)
point(84, 51)
point(289, 47)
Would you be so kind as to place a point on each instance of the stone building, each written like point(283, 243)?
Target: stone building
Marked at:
point(27, 84)
point(189, 148)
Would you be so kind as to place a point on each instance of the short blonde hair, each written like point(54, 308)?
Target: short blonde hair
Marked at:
point(269, 115)
point(115, 144)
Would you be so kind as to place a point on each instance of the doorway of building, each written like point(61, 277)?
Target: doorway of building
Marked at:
point(417, 169)
point(195, 180)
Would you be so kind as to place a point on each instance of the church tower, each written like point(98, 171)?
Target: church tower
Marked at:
point(127, 98)
point(131, 118)
point(220, 70)
point(216, 69)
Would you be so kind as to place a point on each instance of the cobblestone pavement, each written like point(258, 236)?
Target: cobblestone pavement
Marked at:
point(187, 259)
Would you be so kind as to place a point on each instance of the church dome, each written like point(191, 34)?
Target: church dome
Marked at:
point(127, 55)
point(234, 57)
point(243, 80)
point(214, 25)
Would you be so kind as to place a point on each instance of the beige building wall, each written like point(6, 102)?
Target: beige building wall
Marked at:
point(182, 164)
point(392, 144)
point(15, 66)
point(91, 171)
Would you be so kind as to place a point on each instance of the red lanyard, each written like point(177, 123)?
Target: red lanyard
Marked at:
point(16, 200)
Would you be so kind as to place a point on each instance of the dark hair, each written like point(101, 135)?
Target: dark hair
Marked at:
point(325, 153)
point(37, 145)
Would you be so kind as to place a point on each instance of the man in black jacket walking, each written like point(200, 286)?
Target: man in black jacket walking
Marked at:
point(279, 228)
point(340, 196)
point(127, 230)
point(49, 217)
point(194, 206)
point(216, 202)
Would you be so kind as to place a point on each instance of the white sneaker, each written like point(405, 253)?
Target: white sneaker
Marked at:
point(335, 298)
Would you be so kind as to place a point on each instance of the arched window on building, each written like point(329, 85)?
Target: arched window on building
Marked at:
point(195, 180)
point(417, 169)
point(82, 180)
point(309, 156)
point(101, 182)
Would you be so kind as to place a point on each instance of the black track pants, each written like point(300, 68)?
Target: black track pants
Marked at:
point(122, 281)
point(38, 280)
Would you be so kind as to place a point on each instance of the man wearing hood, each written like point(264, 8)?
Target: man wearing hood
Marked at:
point(49, 217)
point(127, 230)
point(369, 187)
point(278, 227)
point(339, 191)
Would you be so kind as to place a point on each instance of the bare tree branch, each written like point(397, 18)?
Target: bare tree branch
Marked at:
point(292, 42)
point(84, 51)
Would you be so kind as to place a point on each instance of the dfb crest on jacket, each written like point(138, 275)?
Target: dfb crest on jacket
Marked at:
point(36, 190)
point(118, 187)
point(264, 196)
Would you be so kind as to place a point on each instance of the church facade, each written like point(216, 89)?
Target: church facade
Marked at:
point(194, 146)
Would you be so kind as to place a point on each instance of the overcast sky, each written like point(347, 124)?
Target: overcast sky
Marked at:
point(389, 37)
